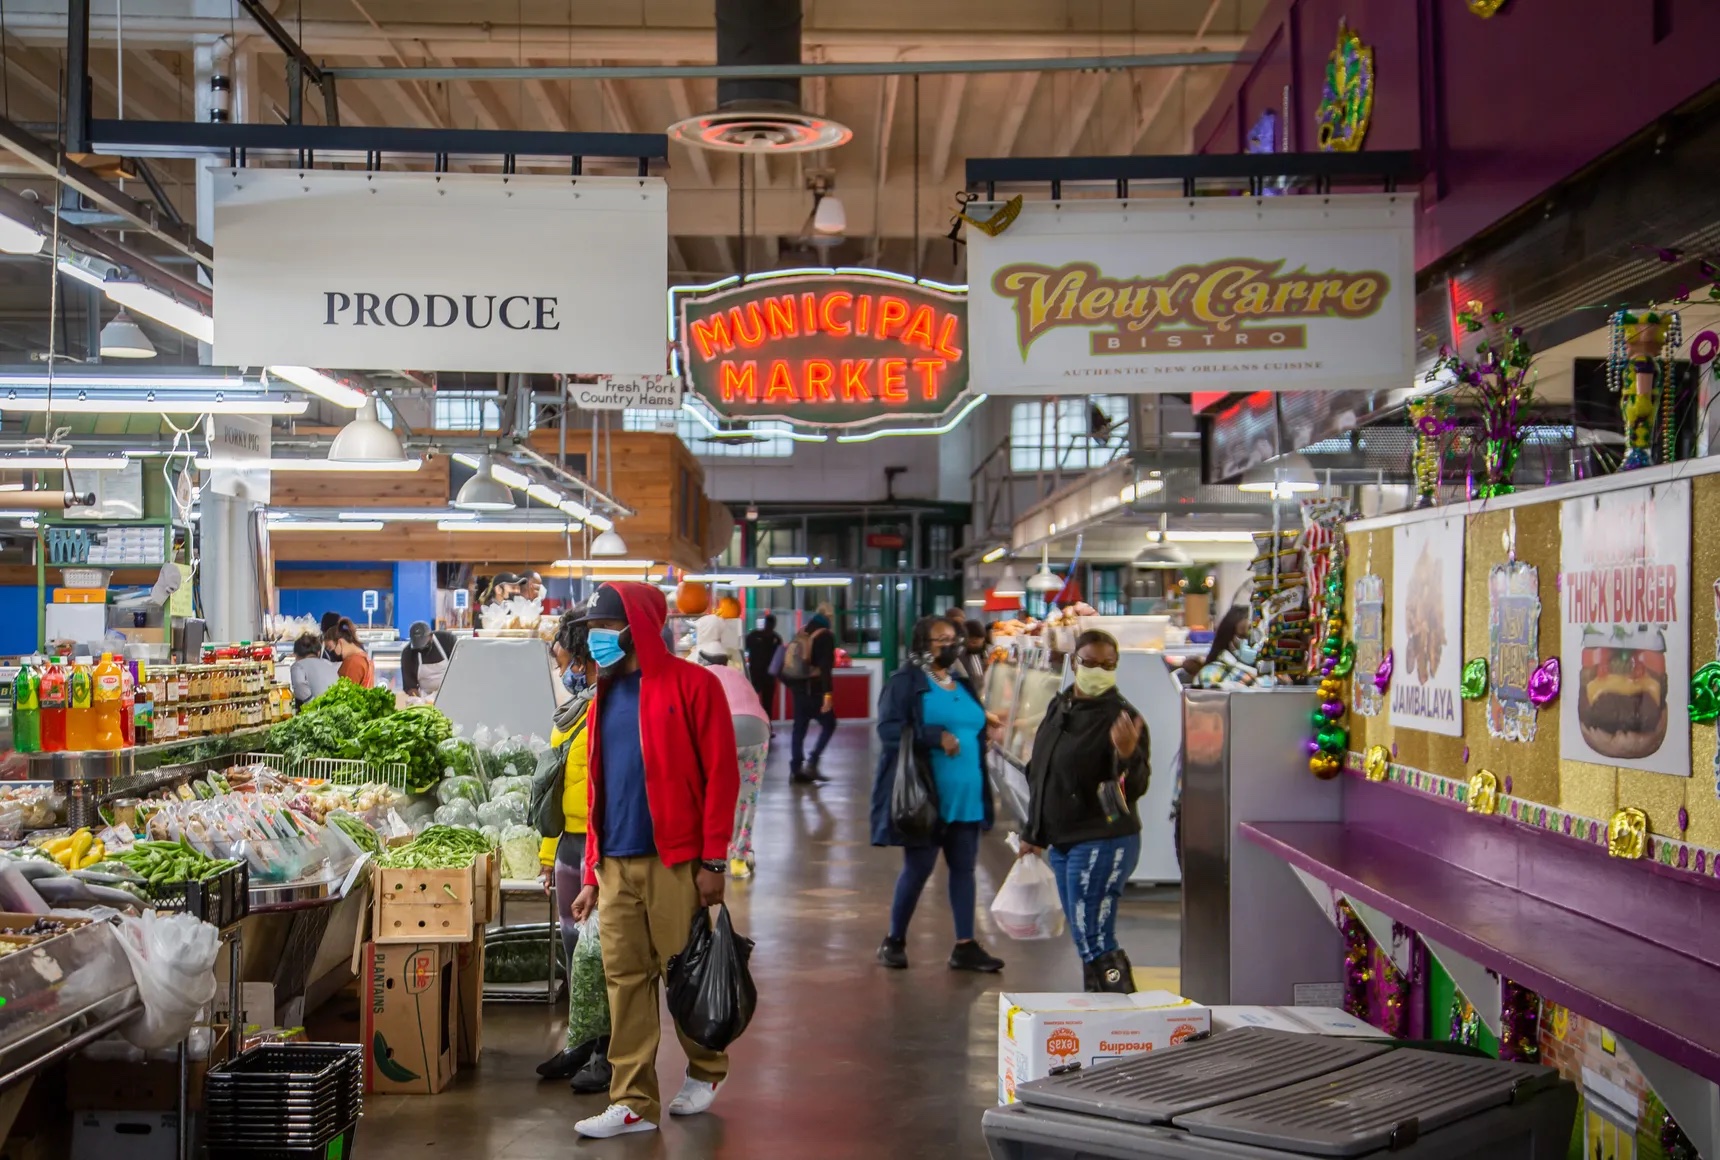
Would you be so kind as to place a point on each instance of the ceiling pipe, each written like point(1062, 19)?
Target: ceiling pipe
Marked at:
point(44, 501)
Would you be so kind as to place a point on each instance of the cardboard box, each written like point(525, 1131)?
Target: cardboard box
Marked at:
point(486, 890)
point(423, 906)
point(469, 963)
point(1041, 1032)
point(108, 1086)
point(1334, 1021)
point(256, 1003)
point(411, 1017)
point(102, 1135)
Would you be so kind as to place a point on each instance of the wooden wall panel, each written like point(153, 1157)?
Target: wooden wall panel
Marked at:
point(426, 487)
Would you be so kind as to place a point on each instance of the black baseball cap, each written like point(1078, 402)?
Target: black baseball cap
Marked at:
point(504, 578)
point(605, 604)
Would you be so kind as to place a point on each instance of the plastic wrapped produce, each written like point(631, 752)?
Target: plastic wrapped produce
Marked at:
point(507, 810)
point(520, 852)
point(459, 812)
point(503, 786)
point(492, 833)
point(456, 788)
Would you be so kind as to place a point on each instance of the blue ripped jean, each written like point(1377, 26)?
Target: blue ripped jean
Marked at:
point(1090, 880)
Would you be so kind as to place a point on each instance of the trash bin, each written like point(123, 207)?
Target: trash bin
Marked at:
point(1259, 1093)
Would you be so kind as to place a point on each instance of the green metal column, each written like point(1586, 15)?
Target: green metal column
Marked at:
point(889, 642)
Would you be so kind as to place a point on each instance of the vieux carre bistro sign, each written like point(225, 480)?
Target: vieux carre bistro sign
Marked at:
point(824, 349)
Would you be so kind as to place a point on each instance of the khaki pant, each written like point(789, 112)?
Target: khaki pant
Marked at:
point(644, 910)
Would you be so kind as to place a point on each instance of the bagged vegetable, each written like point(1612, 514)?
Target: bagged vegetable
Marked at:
point(519, 852)
point(173, 962)
point(459, 812)
point(453, 788)
point(1027, 906)
point(507, 810)
point(587, 994)
point(502, 786)
point(711, 992)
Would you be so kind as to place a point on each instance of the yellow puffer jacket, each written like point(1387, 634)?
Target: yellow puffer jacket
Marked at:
point(574, 792)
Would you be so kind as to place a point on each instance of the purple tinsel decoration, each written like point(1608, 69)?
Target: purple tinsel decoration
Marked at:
point(1519, 1023)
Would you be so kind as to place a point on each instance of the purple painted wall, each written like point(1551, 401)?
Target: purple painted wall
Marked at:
point(1503, 109)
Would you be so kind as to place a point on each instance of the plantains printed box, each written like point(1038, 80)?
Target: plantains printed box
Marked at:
point(1036, 1033)
point(411, 1017)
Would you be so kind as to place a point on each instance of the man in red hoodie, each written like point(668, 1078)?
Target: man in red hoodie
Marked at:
point(662, 788)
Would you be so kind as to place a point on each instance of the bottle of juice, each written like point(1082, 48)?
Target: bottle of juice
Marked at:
point(80, 706)
point(53, 696)
point(26, 709)
point(142, 707)
point(108, 702)
point(127, 705)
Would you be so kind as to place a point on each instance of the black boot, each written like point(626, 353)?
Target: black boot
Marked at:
point(1090, 977)
point(970, 956)
point(1115, 974)
point(893, 953)
point(594, 1076)
point(566, 1065)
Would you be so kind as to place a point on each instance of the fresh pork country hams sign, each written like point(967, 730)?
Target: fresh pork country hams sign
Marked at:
point(1234, 294)
point(440, 271)
point(832, 348)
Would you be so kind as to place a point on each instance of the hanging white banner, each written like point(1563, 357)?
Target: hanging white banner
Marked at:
point(624, 392)
point(1236, 294)
point(440, 271)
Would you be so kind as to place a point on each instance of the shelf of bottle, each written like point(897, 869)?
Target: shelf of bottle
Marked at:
point(120, 765)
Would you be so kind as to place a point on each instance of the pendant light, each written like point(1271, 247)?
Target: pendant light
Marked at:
point(484, 492)
point(365, 439)
point(1045, 581)
point(1281, 478)
point(123, 338)
point(1163, 554)
point(609, 542)
point(1008, 584)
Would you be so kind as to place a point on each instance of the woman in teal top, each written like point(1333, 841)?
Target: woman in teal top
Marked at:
point(930, 705)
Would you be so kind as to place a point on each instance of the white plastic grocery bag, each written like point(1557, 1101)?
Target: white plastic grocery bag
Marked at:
point(1027, 906)
point(173, 962)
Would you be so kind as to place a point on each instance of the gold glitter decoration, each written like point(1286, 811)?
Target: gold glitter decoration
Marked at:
point(1485, 9)
point(1627, 833)
point(1378, 762)
point(1483, 793)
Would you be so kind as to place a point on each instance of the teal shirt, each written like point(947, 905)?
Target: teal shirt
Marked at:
point(960, 780)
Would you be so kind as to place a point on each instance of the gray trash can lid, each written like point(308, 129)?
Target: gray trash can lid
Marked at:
point(1391, 1099)
point(1158, 1086)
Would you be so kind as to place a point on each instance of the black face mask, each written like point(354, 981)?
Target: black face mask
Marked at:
point(947, 656)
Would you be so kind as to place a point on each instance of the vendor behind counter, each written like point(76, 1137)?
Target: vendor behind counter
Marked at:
point(424, 660)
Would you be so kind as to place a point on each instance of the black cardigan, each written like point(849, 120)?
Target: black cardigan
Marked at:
point(1072, 755)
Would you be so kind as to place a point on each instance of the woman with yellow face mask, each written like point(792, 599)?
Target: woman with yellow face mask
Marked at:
point(1087, 774)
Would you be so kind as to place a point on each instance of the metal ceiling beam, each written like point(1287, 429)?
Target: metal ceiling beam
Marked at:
point(195, 138)
point(45, 160)
point(42, 219)
point(283, 39)
point(875, 68)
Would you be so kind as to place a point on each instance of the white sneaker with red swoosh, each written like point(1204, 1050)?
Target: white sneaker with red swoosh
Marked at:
point(617, 1120)
point(695, 1097)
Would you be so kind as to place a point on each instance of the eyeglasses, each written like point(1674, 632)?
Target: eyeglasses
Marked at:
point(943, 641)
point(1089, 663)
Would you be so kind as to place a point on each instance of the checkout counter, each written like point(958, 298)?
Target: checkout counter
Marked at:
point(1020, 690)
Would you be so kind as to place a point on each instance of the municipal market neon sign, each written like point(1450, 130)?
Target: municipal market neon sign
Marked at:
point(825, 348)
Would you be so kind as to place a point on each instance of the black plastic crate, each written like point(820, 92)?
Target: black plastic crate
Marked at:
point(337, 1146)
point(220, 900)
point(286, 1084)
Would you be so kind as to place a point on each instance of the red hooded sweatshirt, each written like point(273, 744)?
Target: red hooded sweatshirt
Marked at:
point(687, 735)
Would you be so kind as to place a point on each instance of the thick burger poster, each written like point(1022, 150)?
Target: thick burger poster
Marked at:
point(1624, 617)
point(1426, 689)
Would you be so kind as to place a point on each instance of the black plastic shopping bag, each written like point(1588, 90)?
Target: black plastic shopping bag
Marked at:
point(914, 797)
point(711, 992)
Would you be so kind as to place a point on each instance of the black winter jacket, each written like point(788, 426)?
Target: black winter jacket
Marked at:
point(1072, 755)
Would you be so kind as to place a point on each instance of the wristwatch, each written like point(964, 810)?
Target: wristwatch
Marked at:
point(714, 865)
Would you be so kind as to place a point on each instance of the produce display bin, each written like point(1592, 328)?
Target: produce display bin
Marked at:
point(1262, 1093)
point(220, 900)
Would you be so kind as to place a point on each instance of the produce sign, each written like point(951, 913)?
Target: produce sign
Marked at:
point(824, 348)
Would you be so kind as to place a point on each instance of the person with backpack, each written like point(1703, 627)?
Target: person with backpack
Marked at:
point(807, 664)
point(559, 809)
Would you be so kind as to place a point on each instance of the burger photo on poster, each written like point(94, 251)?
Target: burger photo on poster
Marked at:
point(1621, 703)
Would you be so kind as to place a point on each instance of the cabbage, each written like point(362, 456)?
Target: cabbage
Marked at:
point(520, 846)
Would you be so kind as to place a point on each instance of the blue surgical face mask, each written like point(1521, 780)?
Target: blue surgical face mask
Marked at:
point(605, 647)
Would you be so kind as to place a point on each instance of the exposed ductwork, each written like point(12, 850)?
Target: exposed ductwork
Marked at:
point(759, 114)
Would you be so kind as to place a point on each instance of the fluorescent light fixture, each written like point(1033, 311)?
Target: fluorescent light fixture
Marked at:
point(719, 577)
point(788, 561)
point(601, 523)
point(606, 564)
point(1282, 477)
point(822, 581)
point(505, 474)
point(762, 582)
point(464, 458)
point(543, 493)
point(291, 525)
point(174, 403)
point(1140, 489)
point(940, 429)
point(994, 555)
point(973, 602)
point(429, 515)
point(122, 338)
point(141, 298)
point(82, 274)
point(18, 238)
point(469, 524)
point(83, 379)
point(305, 463)
point(45, 460)
point(1210, 537)
point(317, 383)
point(578, 511)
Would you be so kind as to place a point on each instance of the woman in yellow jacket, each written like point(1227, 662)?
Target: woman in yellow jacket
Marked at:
point(559, 801)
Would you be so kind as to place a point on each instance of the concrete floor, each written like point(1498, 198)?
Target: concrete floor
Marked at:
point(843, 1059)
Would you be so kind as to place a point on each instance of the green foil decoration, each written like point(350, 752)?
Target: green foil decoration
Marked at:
point(1475, 679)
point(1346, 660)
point(1705, 693)
point(1333, 738)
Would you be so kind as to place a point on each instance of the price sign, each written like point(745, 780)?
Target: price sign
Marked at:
point(370, 600)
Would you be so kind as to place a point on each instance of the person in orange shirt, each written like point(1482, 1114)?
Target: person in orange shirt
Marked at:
point(355, 663)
